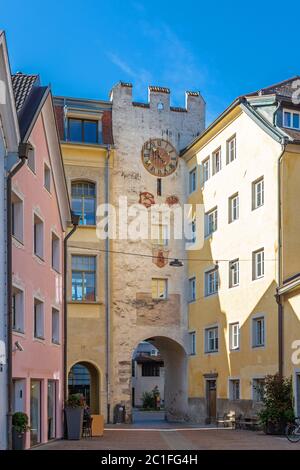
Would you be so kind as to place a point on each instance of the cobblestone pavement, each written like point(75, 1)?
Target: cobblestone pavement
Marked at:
point(175, 438)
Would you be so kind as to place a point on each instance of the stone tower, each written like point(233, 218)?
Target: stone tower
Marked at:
point(135, 315)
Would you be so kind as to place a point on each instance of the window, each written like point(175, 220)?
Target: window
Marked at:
point(38, 237)
point(47, 178)
point(211, 222)
point(205, 170)
point(211, 282)
point(234, 273)
point(234, 336)
point(233, 206)
point(31, 159)
point(17, 217)
point(84, 202)
point(55, 252)
point(192, 289)
point(258, 334)
point(258, 386)
point(55, 326)
point(258, 193)
point(216, 161)
point(159, 187)
point(153, 352)
point(192, 180)
point(83, 130)
point(258, 261)
point(291, 119)
point(18, 310)
point(231, 149)
point(192, 229)
point(160, 234)
point(211, 339)
point(192, 343)
point(38, 319)
point(83, 278)
point(150, 370)
point(234, 389)
point(159, 288)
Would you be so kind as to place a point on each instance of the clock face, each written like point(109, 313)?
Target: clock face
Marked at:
point(159, 157)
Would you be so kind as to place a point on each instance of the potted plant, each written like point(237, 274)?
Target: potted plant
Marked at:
point(277, 404)
point(74, 416)
point(19, 428)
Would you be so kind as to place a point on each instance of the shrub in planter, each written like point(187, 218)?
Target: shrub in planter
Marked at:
point(74, 416)
point(148, 400)
point(20, 426)
point(277, 399)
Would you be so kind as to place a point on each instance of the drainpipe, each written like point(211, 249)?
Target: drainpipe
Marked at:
point(107, 292)
point(279, 276)
point(75, 223)
point(23, 151)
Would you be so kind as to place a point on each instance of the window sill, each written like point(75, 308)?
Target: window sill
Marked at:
point(55, 343)
point(85, 302)
point(211, 352)
point(18, 332)
point(18, 242)
point(234, 350)
point(38, 258)
point(86, 226)
point(258, 207)
point(39, 339)
point(258, 346)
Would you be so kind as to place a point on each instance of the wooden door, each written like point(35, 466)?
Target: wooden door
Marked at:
point(212, 400)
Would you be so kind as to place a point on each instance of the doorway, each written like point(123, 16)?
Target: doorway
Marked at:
point(211, 394)
point(51, 405)
point(35, 412)
point(19, 395)
point(84, 380)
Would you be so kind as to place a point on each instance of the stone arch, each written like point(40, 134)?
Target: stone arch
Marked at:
point(84, 377)
point(175, 359)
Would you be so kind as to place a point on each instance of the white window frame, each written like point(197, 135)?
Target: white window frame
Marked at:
point(211, 222)
point(234, 209)
point(55, 329)
point(255, 320)
point(55, 252)
point(230, 149)
point(258, 273)
point(17, 217)
point(47, 177)
point(207, 282)
point(217, 160)
point(258, 193)
point(18, 316)
point(205, 170)
point(165, 294)
point(192, 180)
point(234, 336)
point(291, 112)
point(192, 289)
point(231, 391)
point(214, 339)
point(38, 244)
point(234, 273)
point(39, 319)
point(254, 391)
point(192, 343)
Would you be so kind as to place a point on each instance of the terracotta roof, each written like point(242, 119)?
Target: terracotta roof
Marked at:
point(126, 84)
point(293, 133)
point(159, 89)
point(178, 109)
point(22, 86)
point(193, 93)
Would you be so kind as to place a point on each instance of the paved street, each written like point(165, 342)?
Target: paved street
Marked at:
point(175, 438)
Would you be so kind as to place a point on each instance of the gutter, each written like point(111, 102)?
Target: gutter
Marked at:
point(23, 156)
point(107, 290)
point(75, 223)
point(278, 296)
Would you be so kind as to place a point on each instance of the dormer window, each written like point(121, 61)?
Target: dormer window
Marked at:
point(83, 130)
point(291, 119)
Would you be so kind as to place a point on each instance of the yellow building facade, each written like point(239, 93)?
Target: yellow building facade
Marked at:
point(241, 326)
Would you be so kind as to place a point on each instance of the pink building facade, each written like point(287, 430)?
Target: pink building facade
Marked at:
point(40, 215)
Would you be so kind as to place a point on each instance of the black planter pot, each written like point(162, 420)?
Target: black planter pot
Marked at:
point(74, 418)
point(276, 429)
point(18, 440)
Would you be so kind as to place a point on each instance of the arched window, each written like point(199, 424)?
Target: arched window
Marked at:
point(79, 381)
point(84, 201)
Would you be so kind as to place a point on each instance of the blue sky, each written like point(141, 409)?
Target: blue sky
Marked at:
point(223, 49)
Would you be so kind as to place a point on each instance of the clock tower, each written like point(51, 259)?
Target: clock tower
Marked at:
point(148, 297)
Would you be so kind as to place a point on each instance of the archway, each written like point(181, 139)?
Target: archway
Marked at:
point(173, 358)
point(84, 379)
